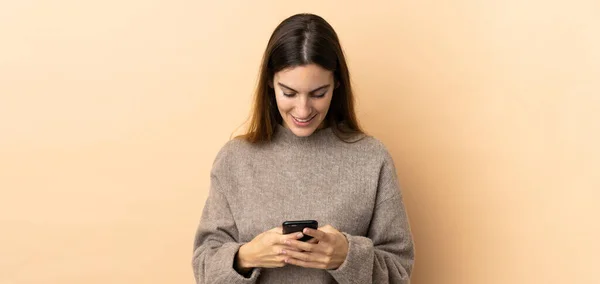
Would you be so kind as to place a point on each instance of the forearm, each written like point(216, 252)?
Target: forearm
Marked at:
point(216, 265)
point(365, 263)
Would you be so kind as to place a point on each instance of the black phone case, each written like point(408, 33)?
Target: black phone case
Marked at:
point(297, 226)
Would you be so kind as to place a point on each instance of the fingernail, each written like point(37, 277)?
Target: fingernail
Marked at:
point(305, 230)
point(286, 260)
point(283, 252)
point(299, 235)
point(287, 242)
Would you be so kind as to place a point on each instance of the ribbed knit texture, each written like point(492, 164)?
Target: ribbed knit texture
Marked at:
point(351, 186)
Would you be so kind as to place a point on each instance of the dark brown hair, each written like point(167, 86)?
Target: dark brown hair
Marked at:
point(300, 40)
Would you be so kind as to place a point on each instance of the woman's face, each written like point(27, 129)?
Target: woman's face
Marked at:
point(303, 95)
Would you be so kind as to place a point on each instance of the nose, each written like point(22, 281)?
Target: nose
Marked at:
point(304, 108)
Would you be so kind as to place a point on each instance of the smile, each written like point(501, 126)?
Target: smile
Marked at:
point(304, 120)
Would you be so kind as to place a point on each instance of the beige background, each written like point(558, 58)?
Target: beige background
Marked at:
point(111, 113)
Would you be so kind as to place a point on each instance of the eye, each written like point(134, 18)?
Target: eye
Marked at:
point(314, 96)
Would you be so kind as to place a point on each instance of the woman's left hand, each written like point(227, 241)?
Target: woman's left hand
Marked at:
point(328, 249)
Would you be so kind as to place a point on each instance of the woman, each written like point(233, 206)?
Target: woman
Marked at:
point(304, 157)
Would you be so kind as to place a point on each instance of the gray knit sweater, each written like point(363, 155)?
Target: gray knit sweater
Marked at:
point(351, 186)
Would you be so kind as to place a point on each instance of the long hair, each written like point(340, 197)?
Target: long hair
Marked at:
point(300, 40)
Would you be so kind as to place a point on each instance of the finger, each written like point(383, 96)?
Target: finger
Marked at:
point(317, 234)
point(306, 256)
point(313, 241)
point(292, 236)
point(279, 249)
point(276, 261)
point(297, 262)
point(304, 246)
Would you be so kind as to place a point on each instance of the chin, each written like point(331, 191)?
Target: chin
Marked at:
point(302, 131)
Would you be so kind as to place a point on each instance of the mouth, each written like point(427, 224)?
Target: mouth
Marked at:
point(304, 121)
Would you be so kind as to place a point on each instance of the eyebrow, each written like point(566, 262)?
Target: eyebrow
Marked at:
point(311, 92)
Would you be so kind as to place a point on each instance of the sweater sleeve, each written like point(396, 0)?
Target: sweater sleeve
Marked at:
point(215, 244)
point(386, 254)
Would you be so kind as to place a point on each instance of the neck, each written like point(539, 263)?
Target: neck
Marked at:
point(283, 133)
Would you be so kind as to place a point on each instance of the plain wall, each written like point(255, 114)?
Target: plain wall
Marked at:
point(111, 113)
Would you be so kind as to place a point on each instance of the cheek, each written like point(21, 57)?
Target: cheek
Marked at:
point(283, 104)
point(323, 105)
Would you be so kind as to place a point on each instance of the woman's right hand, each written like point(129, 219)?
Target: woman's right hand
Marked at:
point(265, 250)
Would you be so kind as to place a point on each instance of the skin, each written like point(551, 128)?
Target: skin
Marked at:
point(302, 92)
point(327, 250)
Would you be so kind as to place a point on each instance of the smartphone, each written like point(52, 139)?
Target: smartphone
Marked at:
point(297, 226)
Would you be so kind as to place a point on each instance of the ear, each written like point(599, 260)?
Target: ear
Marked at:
point(337, 84)
point(270, 83)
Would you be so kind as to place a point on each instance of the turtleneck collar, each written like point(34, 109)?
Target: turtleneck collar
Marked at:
point(286, 135)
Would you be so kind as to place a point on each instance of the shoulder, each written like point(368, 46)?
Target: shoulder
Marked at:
point(234, 150)
point(369, 145)
point(237, 154)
